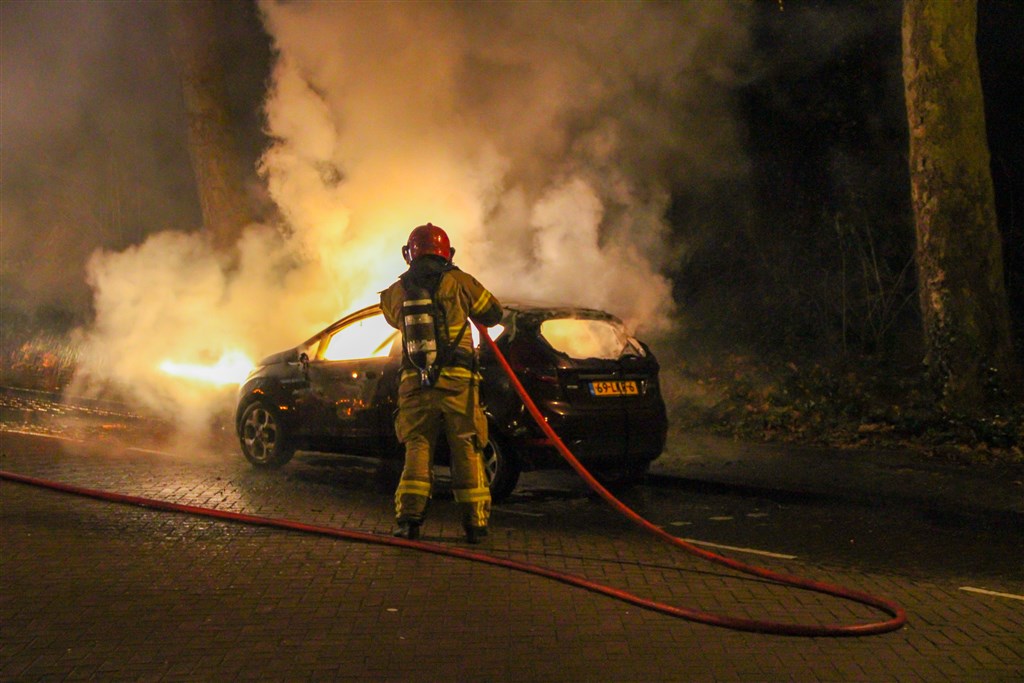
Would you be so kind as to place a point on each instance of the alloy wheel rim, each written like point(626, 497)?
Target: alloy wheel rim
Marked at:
point(260, 434)
point(490, 461)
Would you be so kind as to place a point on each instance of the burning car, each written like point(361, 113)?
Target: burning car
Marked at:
point(595, 385)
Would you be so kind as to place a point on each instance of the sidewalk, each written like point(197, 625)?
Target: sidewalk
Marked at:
point(845, 476)
point(848, 476)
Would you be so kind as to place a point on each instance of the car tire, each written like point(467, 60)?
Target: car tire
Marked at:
point(263, 436)
point(501, 466)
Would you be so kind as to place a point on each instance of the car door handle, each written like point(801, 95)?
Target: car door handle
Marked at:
point(370, 374)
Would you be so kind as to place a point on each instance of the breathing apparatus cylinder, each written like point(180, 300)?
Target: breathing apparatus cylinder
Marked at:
point(419, 332)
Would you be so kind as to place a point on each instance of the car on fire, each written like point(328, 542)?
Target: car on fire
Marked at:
point(596, 385)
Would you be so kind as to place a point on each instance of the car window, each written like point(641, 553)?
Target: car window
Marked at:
point(493, 332)
point(588, 338)
point(367, 338)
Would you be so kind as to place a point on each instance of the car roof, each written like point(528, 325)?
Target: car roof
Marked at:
point(556, 310)
point(540, 309)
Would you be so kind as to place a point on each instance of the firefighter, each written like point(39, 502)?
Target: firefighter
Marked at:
point(432, 303)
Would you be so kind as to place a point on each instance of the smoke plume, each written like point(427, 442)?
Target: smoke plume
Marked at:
point(546, 138)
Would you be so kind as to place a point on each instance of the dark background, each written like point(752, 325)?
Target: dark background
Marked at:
point(826, 264)
point(811, 256)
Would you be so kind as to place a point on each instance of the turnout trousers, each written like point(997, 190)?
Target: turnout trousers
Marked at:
point(450, 406)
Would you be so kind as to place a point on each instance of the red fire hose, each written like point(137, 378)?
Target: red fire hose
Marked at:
point(897, 614)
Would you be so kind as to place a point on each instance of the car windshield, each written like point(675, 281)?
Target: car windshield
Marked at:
point(367, 338)
point(588, 338)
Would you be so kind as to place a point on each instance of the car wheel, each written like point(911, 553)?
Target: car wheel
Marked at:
point(264, 439)
point(501, 467)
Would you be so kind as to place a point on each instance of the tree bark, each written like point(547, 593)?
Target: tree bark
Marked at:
point(215, 159)
point(961, 286)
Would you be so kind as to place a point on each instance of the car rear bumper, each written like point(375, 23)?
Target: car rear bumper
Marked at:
point(599, 441)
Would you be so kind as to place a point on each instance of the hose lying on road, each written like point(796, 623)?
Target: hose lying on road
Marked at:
point(897, 614)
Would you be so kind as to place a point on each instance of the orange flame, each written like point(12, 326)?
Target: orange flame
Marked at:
point(231, 368)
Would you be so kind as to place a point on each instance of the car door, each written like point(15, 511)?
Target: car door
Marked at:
point(350, 379)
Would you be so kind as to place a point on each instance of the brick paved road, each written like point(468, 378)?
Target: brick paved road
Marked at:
point(97, 590)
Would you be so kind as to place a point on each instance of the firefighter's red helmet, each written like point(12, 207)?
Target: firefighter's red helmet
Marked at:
point(427, 239)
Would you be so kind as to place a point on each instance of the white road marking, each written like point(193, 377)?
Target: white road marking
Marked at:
point(750, 551)
point(146, 450)
point(41, 434)
point(982, 591)
point(523, 513)
point(61, 437)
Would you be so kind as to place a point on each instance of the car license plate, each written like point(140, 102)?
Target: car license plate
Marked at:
point(614, 388)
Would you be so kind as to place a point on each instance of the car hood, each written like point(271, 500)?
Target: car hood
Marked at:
point(286, 356)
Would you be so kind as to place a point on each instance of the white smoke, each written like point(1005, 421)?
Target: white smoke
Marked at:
point(546, 138)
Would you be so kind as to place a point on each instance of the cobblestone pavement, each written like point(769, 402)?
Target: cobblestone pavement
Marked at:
point(95, 590)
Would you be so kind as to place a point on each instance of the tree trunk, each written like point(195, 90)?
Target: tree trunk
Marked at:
point(959, 255)
point(215, 159)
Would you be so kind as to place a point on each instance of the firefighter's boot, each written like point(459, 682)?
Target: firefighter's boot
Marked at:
point(475, 534)
point(408, 529)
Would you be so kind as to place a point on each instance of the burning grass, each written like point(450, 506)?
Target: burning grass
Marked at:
point(44, 361)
